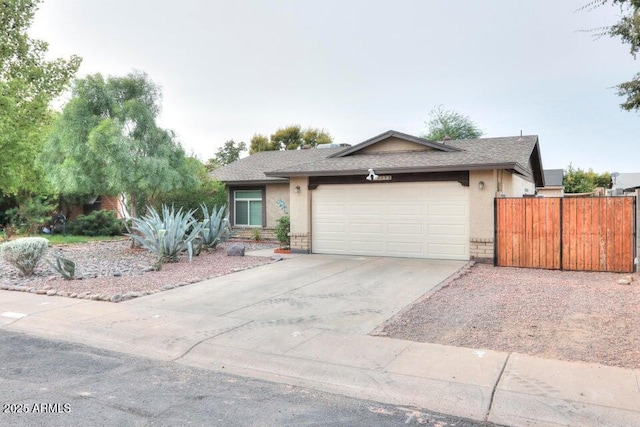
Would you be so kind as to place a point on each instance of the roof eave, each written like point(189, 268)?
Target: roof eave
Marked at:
point(275, 180)
point(382, 171)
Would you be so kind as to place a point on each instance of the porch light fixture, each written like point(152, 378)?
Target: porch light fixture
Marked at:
point(297, 188)
point(481, 185)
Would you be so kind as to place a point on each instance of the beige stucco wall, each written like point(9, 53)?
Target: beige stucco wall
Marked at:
point(273, 193)
point(550, 192)
point(394, 144)
point(518, 186)
point(481, 204)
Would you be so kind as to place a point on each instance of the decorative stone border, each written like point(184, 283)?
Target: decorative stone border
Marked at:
point(118, 297)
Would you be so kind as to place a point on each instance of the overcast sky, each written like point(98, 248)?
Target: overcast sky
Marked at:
point(230, 69)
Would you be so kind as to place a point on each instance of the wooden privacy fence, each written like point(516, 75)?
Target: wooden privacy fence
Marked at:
point(577, 233)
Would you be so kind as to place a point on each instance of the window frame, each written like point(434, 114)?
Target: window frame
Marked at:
point(260, 199)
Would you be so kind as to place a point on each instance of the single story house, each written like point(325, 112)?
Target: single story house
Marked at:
point(553, 186)
point(392, 195)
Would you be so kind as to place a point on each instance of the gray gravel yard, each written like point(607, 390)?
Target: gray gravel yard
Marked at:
point(112, 270)
point(553, 314)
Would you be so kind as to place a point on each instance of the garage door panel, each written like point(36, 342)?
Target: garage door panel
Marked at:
point(406, 210)
point(366, 228)
point(448, 230)
point(366, 246)
point(418, 220)
point(406, 229)
point(403, 248)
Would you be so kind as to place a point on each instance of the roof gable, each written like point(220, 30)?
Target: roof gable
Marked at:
point(393, 142)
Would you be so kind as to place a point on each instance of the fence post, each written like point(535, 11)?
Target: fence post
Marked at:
point(495, 231)
point(637, 231)
point(561, 232)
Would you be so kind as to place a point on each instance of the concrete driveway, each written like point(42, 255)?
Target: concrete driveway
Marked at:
point(349, 295)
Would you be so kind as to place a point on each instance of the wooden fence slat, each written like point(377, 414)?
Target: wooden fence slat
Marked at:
point(589, 234)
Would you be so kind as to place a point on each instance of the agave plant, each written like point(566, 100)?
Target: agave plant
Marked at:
point(166, 235)
point(215, 227)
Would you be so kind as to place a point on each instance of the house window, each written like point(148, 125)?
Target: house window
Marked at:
point(248, 207)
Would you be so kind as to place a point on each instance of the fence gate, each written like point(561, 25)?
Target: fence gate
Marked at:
point(569, 233)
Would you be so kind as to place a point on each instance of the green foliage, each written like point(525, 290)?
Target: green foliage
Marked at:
point(209, 192)
point(290, 138)
point(580, 181)
point(261, 143)
point(215, 227)
point(64, 266)
point(28, 83)
point(107, 142)
point(24, 254)
point(32, 214)
point(166, 235)
point(256, 234)
point(628, 30)
point(449, 124)
point(228, 153)
point(283, 227)
point(97, 223)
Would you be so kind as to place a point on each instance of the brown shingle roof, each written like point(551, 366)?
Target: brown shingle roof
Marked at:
point(513, 153)
point(252, 169)
point(486, 153)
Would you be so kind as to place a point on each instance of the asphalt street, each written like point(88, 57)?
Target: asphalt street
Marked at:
point(53, 383)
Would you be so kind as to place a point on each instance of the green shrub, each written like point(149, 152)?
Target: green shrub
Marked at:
point(256, 234)
point(31, 214)
point(283, 227)
point(210, 193)
point(166, 236)
point(215, 226)
point(97, 223)
point(25, 253)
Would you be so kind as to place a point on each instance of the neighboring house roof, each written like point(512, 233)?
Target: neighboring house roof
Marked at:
point(627, 181)
point(251, 169)
point(519, 153)
point(553, 177)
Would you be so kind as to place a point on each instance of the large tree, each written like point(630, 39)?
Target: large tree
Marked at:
point(28, 83)
point(228, 153)
point(628, 30)
point(290, 138)
point(107, 142)
point(449, 124)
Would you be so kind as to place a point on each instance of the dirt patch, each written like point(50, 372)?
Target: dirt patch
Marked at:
point(553, 314)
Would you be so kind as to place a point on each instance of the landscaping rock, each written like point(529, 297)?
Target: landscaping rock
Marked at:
point(235, 250)
point(116, 298)
point(41, 291)
point(276, 258)
point(51, 292)
point(117, 273)
point(624, 281)
point(167, 287)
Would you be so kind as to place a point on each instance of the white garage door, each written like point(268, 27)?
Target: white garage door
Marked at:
point(414, 220)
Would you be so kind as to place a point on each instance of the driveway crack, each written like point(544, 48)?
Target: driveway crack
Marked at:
point(495, 387)
point(187, 351)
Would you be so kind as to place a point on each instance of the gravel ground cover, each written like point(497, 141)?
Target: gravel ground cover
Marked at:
point(113, 271)
point(553, 314)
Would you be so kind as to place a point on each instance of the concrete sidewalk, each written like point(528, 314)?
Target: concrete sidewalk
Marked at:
point(304, 322)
